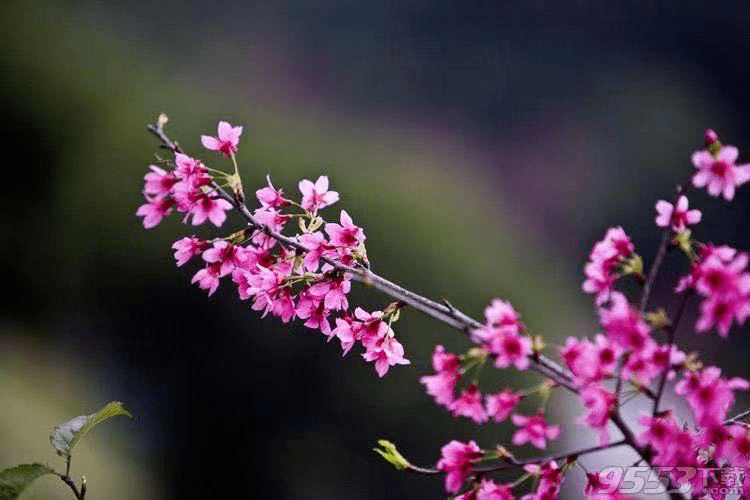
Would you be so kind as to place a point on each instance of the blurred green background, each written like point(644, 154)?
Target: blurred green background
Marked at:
point(484, 147)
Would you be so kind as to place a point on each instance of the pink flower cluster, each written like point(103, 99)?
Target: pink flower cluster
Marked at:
point(605, 263)
point(720, 276)
point(297, 281)
point(188, 187)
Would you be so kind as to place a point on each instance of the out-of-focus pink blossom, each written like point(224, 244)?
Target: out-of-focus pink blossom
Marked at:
point(677, 216)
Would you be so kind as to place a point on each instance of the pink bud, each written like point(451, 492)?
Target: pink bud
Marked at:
point(711, 137)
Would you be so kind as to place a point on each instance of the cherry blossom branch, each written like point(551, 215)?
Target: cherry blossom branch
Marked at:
point(740, 417)
point(445, 313)
point(442, 312)
point(515, 464)
point(672, 331)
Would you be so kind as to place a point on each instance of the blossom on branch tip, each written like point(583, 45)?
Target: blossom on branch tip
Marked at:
point(676, 216)
point(227, 140)
point(718, 172)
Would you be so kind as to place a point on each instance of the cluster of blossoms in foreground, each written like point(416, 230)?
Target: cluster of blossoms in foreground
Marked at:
point(288, 283)
point(631, 356)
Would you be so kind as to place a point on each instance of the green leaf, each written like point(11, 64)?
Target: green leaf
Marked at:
point(16, 479)
point(65, 436)
point(391, 454)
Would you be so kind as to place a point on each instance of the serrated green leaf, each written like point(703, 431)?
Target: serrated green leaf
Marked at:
point(65, 436)
point(16, 479)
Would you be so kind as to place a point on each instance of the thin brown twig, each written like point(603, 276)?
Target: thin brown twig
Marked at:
point(521, 463)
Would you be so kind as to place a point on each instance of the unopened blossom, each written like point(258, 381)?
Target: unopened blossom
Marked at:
point(317, 196)
point(676, 216)
point(533, 430)
point(469, 404)
point(154, 211)
point(159, 182)
point(600, 404)
point(502, 404)
point(228, 137)
point(269, 196)
point(457, 463)
point(719, 173)
point(345, 234)
point(187, 248)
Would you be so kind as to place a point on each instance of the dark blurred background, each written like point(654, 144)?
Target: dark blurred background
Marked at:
point(483, 145)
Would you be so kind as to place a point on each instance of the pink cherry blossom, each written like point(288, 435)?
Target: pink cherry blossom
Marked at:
point(316, 246)
point(709, 395)
point(469, 404)
point(317, 196)
point(192, 172)
point(154, 211)
point(227, 140)
point(602, 269)
point(500, 313)
point(332, 292)
point(623, 323)
point(270, 197)
point(187, 248)
point(208, 278)
point(678, 217)
point(386, 353)
point(457, 463)
point(533, 430)
point(588, 361)
point(159, 182)
point(345, 234)
point(502, 404)
point(550, 477)
point(345, 333)
point(719, 174)
point(441, 385)
point(489, 490)
point(315, 313)
point(226, 255)
point(601, 404)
